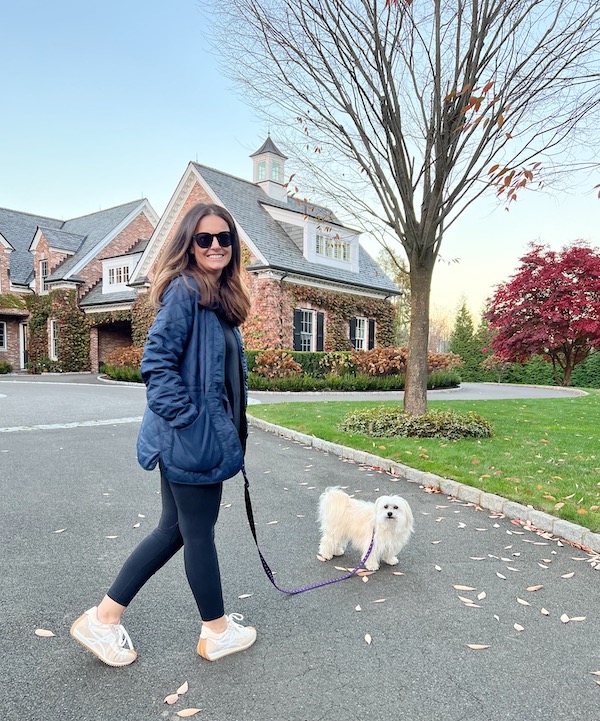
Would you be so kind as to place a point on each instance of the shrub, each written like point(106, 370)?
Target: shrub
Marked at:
point(122, 373)
point(337, 363)
point(346, 382)
point(5, 367)
point(386, 422)
point(389, 361)
point(497, 365)
point(276, 364)
point(129, 357)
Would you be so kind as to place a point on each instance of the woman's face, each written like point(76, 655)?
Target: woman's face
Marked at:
point(214, 259)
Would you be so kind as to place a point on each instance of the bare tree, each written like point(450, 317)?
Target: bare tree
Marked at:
point(413, 109)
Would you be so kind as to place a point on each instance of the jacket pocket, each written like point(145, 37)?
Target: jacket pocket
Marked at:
point(196, 447)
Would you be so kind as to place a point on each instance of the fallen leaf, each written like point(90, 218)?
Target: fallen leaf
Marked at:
point(564, 618)
point(397, 573)
point(438, 568)
point(464, 588)
point(379, 600)
point(522, 602)
point(110, 536)
point(60, 530)
point(481, 595)
point(500, 575)
point(535, 588)
point(578, 618)
point(365, 579)
point(545, 612)
point(541, 565)
point(496, 617)
point(183, 688)
point(272, 523)
point(368, 639)
point(44, 633)
point(171, 698)
point(595, 673)
point(465, 600)
point(569, 575)
point(477, 558)
point(136, 525)
point(244, 595)
point(188, 711)
point(477, 646)
point(435, 542)
point(358, 608)
point(518, 627)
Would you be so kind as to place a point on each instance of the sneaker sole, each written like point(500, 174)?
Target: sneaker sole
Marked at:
point(81, 641)
point(227, 652)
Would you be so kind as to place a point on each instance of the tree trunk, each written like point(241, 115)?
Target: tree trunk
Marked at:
point(415, 394)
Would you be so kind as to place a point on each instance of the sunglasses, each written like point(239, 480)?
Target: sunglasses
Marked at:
point(205, 240)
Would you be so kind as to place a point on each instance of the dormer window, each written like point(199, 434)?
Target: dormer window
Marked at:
point(262, 170)
point(118, 275)
point(334, 247)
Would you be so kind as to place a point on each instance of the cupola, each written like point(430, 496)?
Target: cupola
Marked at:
point(269, 169)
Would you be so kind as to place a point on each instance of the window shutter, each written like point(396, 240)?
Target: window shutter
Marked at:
point(297, 328)
point(371, 343)
point(320, 324)
point(353, 332)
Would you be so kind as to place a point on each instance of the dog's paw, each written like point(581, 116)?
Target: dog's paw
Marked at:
point(391, 561)
point(372, 565)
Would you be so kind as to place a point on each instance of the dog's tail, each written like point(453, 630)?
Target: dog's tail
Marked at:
point(333, 501)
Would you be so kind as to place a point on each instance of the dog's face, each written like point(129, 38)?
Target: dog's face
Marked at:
point(388, 509)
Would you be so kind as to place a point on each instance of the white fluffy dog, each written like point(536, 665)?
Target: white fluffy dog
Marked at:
point(346, 520)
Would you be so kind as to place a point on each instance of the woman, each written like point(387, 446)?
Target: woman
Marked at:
point(194, 427)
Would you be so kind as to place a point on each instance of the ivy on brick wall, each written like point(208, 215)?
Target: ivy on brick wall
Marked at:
point(73, 332)
point(142, 316)
point(39, 307)
point(340, 308)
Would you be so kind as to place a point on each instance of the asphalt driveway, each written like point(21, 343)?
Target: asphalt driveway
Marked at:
point(74, 504)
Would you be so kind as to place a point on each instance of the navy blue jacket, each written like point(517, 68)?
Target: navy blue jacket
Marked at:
point(186, 424)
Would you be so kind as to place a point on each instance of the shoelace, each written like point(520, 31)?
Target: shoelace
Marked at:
point(233, 617)
point(123, 637)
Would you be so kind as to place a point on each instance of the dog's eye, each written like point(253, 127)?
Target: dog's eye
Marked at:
point(385, 505)
point(395, 508)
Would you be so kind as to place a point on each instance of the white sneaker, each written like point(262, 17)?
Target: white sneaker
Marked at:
point(212, 646)
point(105, 640)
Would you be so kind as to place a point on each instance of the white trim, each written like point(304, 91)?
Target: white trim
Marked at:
point(107, 307)
point(8, 248)
point(53, 340)
point(296, 280)
point(39, 232)
point(22, 338)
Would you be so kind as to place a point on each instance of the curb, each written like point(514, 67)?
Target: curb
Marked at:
point(541, 521)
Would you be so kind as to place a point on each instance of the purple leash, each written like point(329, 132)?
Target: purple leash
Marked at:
point(265, 565)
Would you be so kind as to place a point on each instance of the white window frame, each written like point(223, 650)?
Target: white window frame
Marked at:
point(44, 273)
point(54, 340)
point(261, 170)
point(308, 330)
point(3, 335)
point(276, 171)
point(333, 247)
point(118, 275)
point(361, 333)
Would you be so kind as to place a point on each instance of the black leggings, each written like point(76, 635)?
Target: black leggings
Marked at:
point(189, 514)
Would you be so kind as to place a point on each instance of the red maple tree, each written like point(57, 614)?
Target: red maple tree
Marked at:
point(550, 307)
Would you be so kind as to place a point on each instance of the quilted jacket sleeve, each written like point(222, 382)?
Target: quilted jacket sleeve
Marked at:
point(167, 395)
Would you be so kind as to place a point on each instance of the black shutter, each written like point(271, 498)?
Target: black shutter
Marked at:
point(371, 334)
point(297, 328)
point(320, 324)
point(353, 332)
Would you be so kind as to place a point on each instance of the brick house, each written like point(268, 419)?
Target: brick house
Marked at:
point(70, 262)
point(80, 285)
point(313, 286)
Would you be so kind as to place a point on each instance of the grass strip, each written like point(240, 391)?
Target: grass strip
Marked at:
point(544, 452)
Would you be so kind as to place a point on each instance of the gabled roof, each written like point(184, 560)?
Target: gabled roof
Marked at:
point(245, 202)
point(18, 229)
point(78, 236)
point(95, 227)
point(58, 239)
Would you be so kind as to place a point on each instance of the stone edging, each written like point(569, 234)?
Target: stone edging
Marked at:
point(490, 501)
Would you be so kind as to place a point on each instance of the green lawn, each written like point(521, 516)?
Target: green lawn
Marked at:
point(544, 452)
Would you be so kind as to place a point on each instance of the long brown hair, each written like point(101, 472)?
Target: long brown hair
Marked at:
point(229, 294)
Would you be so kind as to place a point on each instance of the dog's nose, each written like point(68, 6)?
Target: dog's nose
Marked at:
point(390, 514)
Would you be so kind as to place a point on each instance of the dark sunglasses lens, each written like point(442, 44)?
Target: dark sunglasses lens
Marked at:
point(224, 239)
point(204, 240)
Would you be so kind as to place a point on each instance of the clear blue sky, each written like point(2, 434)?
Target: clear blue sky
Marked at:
point(105, 102)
